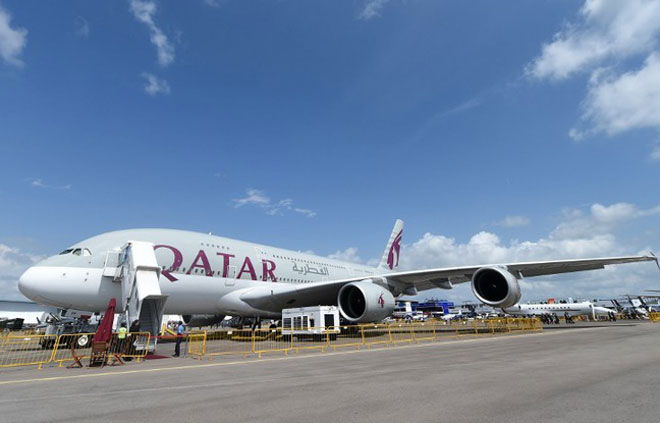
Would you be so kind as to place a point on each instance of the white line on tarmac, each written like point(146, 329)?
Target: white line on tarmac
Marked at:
point(265, 360)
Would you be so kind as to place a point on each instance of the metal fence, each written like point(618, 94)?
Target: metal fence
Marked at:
point(26, 350)
point(262, 341)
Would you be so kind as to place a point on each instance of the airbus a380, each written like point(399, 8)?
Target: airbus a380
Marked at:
point(207, 274)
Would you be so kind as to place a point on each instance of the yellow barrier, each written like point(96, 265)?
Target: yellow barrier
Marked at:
point(317, 339)
point(424, 331)
point(261, 341)
point(23, 350)
point(401, 332)
point(167, 331)
point(197, 344)
point(349, 336)
point(271, 340)
point(81, 343)
point(377, 334)
point(232, 341)
point(654, 317)
point(26, 350)
point(135, 345)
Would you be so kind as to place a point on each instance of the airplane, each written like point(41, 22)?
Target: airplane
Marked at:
point(196, 274)
point(584, 308)
point(637, 306)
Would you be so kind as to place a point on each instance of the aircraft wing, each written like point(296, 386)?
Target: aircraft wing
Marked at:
point(288, 295)
point(445, 277)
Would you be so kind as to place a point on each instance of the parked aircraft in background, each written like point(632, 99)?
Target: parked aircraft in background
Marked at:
point(192, 273)
point(633, 305)
point(585, 308)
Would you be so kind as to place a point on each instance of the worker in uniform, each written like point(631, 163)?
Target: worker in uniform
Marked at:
point(179, 338)
point(121, 338)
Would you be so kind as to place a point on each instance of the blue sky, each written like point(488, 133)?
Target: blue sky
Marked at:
point(499, 131)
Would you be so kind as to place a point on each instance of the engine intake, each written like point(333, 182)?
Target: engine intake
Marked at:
point(496, 287)
point(365, 301)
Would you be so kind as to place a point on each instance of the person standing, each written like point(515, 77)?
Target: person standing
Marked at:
point(179, 338)
point(130, 347)
point(121, 338)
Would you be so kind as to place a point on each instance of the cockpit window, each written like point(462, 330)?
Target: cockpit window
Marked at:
point(77, 251)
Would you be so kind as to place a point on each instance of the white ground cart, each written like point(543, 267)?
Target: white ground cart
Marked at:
point(310, 321)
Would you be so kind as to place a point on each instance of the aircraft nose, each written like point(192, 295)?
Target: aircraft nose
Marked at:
point(31, 283)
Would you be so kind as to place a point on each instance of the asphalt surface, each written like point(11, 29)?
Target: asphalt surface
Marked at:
point(586, 374)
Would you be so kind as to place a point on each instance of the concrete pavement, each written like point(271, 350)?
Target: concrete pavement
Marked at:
point(579, 375)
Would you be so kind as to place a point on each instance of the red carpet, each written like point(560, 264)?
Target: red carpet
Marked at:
point(154, 357)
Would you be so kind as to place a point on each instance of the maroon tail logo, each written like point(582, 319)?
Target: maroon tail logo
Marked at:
point(381, 301)
point(394, 249)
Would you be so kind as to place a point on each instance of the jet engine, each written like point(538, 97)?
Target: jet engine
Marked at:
point(496, 287)
point(201, 320)
point(365, 301)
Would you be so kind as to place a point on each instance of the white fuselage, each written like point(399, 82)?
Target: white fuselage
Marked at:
point(574, 309)
point(201, 274)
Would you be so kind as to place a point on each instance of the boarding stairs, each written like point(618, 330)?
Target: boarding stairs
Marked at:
point(135, 267)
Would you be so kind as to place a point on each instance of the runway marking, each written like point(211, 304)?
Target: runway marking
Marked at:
point(266, 360)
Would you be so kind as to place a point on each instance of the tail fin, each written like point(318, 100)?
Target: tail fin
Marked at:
point(390, 259)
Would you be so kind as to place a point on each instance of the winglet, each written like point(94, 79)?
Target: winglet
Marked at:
point(390, 259)
point(655, 258)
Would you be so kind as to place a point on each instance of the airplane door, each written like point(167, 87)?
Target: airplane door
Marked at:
point(230, 280)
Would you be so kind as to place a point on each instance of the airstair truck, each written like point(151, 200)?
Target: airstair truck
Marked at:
point(313, 321)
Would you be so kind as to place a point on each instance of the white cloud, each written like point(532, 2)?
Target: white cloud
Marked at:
point(603, 42)
point(579, 235)
point(605, 30)
point(155, 85)
point(627, 101)
point(514, 221)
point(39, 183)
point(306, 212)
point(601, 221)
point(255, 197)
point(12, 40)
point(655, 154)
point(13, 262)
point(81, 27)
point(212, 3)
point(372, 9)
point(350, 254)
point(144, 12)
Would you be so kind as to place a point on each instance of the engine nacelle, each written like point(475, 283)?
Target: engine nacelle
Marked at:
point(364, 302)
point(201, 320)
point(496, 287)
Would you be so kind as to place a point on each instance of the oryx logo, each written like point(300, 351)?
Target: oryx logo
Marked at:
point(381, 301)
point(394, 249)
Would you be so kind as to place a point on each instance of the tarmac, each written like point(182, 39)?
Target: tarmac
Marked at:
point(586, 373)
